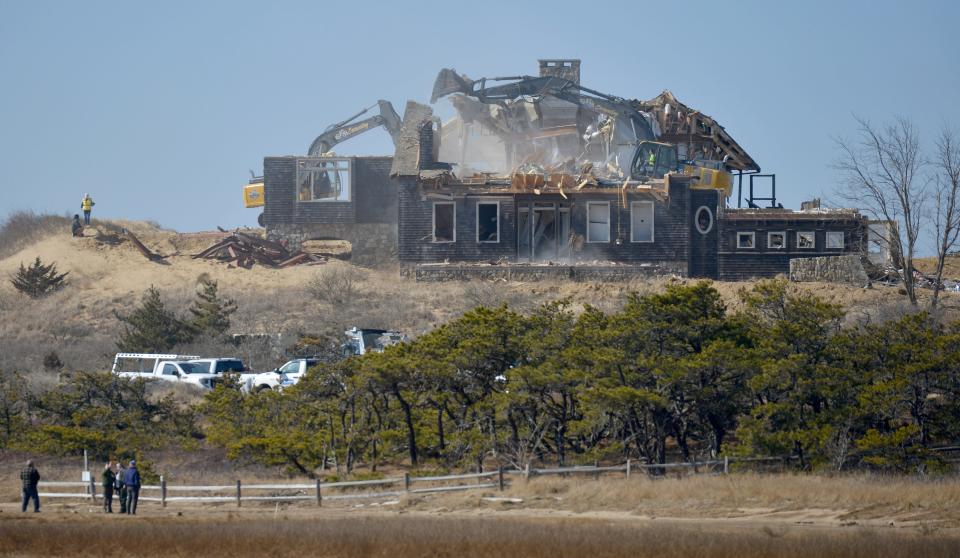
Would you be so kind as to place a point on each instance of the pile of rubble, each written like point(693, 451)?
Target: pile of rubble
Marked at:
point(244, 250)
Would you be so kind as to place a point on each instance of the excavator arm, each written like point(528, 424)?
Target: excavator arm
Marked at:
point(448, 82)
point(342, 131)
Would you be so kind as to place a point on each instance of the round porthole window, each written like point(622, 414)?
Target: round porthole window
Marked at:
point(704, 219)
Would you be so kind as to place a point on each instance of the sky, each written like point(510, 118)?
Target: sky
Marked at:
point(159, 109)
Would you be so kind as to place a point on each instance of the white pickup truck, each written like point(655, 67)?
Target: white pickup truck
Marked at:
point(278, 378)
point(171, 368)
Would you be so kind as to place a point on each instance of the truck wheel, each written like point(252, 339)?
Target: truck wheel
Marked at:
point(260, 220)
point(262, 388)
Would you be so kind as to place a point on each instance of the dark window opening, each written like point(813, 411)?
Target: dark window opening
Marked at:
point(444, 222)
point(488, 222)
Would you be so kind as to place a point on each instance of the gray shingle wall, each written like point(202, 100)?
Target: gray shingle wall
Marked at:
point(761, 261)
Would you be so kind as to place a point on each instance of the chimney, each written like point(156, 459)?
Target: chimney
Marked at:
point(568, 69)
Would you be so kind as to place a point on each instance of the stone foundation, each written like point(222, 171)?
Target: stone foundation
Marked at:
point(372, 244)
point(833, 269)
point(537, 272)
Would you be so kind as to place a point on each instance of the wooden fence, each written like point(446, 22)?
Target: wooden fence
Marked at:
point(382, 488)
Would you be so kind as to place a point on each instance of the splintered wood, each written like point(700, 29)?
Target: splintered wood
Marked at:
point(244, 250)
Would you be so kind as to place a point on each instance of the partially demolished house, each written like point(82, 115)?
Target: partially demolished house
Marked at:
point(542, 176)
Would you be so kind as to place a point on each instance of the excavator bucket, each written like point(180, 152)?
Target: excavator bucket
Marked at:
point(448, 81)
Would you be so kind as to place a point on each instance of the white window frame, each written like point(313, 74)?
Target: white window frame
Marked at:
point(696, 219)
point(590, 240)
point(813, 246)
point(753, 243)
point(770, 246)
point(653, 221)
point(477, 222)
point(834, 234)
point(433, 228)
point(315, 164)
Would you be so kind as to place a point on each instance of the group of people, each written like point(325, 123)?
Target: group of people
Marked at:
point(86, 205)
point(116, 479)
point(125, 483)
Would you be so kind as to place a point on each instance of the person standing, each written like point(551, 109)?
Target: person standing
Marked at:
point(86, 204)
point(108, 478)
point(30, 478)
point(120, 488)
point(131, 478)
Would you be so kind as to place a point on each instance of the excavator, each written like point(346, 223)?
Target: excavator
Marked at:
point(334, 134)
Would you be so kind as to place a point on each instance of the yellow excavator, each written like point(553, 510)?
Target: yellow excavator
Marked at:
point(253, 193)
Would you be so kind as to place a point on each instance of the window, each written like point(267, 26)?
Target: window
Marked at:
point(488, 221)
point(641, 221)
point(228, 366)
point(444, 222)
point(323, 180)
point(746, 240)
point(777, 240)
point(834, 240)
point(598, 222)
point(169, 370)
point(806, 240)
point(703, 219)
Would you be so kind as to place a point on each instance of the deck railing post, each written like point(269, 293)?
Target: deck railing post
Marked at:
point(238, 493)
point(726, 464)
point(93, 490)
point(406, 482)
point(319, 497)
point(163, 492)
point(500, 478)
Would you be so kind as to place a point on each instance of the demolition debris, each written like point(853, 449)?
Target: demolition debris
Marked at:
point(244, 250)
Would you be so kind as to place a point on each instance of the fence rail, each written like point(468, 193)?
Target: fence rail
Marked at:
point(318, 491)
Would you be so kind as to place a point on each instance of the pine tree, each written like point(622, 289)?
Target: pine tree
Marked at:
point(39, 280)
point(151, 328)
point(211, 314)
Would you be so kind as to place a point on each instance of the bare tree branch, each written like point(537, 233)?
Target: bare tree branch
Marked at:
point(946, 217)
point(881, 175)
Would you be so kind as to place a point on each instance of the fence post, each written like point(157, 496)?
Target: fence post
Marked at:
point(628, 468)
point(93, 490)
point(726, 464)
point(406, 482)
point(526, 472)
point(238, 493)
point(163, 492)
point(500, 478)
point(319, 497)
point(596, 474)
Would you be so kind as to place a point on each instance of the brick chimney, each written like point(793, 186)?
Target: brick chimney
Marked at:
point(568, 69)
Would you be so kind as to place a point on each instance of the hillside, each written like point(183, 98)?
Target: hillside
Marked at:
point(108, 275)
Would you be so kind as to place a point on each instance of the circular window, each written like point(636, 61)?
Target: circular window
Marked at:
point(704, 219)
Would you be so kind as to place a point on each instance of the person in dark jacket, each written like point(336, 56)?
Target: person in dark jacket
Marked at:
point(30, 478)
point(131, 478)
point(119, 488)
point(76, 227)
point(108, 478)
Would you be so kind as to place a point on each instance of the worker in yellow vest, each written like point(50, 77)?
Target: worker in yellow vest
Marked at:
point(86, 204)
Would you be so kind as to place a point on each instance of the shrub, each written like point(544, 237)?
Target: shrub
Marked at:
point(335, 286)
point(39, 280)
point(151, 328)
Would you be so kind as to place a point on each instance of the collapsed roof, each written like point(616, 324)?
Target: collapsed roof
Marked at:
point(554, 121)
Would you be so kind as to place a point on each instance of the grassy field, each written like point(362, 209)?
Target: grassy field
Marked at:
point(742, 514)
point(438, 535)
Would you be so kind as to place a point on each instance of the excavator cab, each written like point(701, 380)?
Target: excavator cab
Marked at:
point(653, 160)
